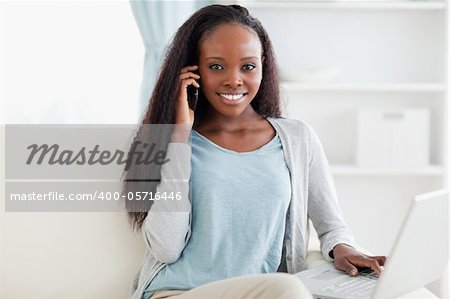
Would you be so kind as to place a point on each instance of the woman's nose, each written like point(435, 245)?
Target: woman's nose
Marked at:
point(233, 79)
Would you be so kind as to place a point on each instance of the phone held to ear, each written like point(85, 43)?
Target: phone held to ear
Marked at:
point(192, 93)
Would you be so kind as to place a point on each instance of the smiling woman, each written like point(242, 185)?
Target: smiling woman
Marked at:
point(253, 178)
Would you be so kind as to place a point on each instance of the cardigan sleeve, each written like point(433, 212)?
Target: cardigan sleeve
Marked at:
point(323, 206)
point(167, 226)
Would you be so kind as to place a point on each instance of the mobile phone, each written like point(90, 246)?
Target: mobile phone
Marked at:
point(192, 92)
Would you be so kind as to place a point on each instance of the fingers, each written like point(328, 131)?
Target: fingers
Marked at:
point(380, 259)
point(364, 261)
point(346, 266)
point(191, 81)
point(189, 68)
point(187, 76)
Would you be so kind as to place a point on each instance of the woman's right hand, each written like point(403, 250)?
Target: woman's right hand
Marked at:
point(184, 116)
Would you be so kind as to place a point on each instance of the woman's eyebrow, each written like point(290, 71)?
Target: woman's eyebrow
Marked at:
point(221, 58)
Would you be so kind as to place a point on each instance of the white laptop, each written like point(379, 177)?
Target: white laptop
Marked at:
point(418, 257)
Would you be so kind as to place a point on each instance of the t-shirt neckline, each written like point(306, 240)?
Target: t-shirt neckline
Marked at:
point(232, 151)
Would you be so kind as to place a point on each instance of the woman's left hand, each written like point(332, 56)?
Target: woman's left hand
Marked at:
point(347, 258)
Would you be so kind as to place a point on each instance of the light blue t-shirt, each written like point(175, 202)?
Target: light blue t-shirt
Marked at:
point(239, 205)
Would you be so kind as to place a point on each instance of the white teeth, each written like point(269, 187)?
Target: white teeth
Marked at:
point(233, 97)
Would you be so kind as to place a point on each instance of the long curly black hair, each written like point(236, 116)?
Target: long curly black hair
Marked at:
point(184, 51)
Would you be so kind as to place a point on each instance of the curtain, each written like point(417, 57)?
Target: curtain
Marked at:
point(157, 22)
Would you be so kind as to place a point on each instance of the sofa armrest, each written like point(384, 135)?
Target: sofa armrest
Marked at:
point(314, 258)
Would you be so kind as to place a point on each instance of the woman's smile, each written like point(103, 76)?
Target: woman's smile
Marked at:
point(232, 98)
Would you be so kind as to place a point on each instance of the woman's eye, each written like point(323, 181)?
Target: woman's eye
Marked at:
point(215, 66)
point(248, 67)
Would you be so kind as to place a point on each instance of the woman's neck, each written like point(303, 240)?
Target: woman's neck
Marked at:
point(213, 121)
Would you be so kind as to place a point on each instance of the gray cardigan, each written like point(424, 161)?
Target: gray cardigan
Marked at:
point(313, 195)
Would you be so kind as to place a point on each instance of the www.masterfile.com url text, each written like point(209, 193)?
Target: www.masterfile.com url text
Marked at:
point(97, 195)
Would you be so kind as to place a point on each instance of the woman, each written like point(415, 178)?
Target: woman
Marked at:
point(249, 179)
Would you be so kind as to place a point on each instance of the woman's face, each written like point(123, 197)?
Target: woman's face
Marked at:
point(230, 66)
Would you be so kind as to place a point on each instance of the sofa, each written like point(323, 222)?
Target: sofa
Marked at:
point(74, 255)
point(81, 256)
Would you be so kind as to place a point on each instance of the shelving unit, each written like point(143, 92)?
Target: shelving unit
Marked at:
point(349, 170)
point(386, 87)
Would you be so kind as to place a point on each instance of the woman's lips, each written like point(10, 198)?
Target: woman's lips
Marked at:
point(232, 98)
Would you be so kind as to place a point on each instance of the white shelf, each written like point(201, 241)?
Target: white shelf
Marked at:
point(355, 170)
point(399, 5)
point(405, 87)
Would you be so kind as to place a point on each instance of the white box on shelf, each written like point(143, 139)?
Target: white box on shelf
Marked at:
point(393, 137)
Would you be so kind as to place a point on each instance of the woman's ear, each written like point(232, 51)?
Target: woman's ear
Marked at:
point(262, 59)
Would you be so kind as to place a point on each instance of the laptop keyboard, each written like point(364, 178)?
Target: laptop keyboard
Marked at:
point(360, 286)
